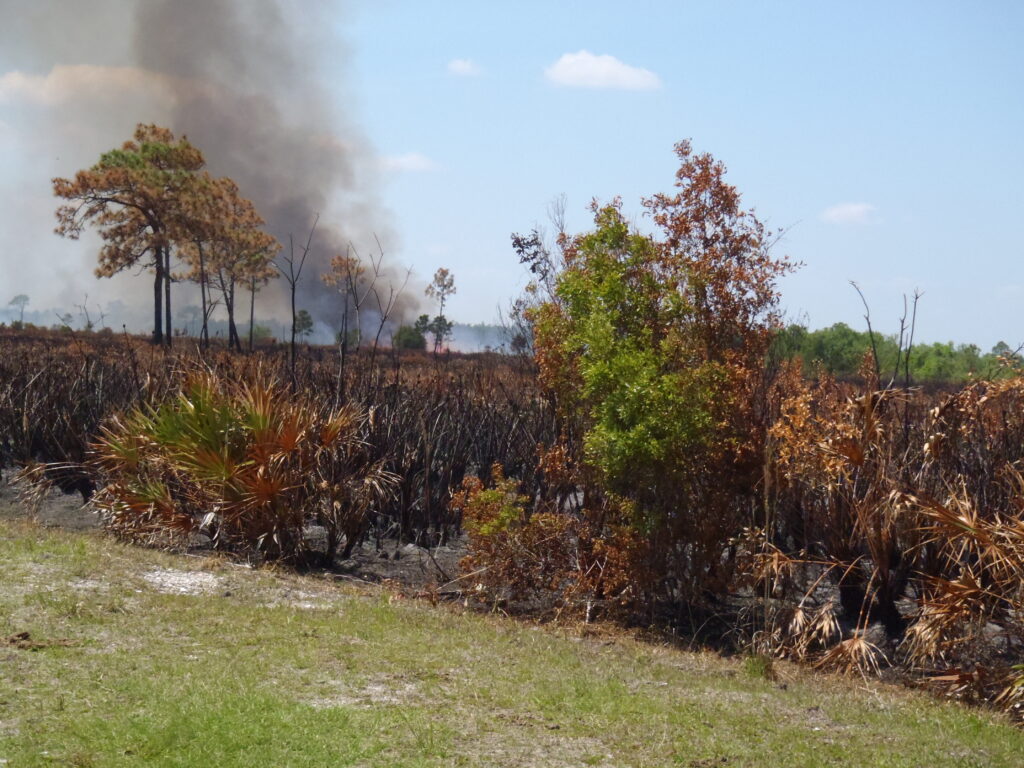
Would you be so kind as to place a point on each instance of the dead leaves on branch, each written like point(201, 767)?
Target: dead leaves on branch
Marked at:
point(922, 504)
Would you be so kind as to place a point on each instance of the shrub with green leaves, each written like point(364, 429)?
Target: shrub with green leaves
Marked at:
point(655, 346)
point(249, 464)
point(514, 554)
point(409, 337)
point(650, 403)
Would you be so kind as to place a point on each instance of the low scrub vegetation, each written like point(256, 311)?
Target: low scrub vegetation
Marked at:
point(426, 421)
point(249, 464)
point(912, 510)
point(658, 460)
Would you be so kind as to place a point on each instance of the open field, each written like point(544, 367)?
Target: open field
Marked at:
point(114, 655)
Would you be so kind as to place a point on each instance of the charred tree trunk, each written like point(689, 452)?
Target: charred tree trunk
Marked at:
point(252, 312)
point(339, 391)
point(866, 608)
point(167, 295)
point(234, 342)
point(291, 343)
point(204, 336)
point(158, 286)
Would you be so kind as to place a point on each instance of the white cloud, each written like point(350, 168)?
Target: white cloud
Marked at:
point(81, 81)
point(587, 70)
point(848, 213)
point(463, 67)
point(410, 162)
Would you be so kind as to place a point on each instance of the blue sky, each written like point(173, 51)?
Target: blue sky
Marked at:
point(905, 120)
point(886, 138)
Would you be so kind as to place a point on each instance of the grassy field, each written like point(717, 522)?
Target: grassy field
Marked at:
point(111, 655)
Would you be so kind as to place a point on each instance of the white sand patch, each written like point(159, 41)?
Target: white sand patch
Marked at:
point(300, 599)
point(308, 605)
point(88, 585)
point(174, 582)
point(375, 693)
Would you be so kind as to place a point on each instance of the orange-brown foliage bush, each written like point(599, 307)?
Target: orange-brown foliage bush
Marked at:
point(913, 511)
point(535, 555)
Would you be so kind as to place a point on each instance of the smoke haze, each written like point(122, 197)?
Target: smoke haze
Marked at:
point(244, 80)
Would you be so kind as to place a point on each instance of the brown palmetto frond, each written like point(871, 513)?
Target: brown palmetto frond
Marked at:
point(246, 460)
point(855, 654)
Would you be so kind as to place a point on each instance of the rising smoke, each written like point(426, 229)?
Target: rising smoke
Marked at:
point(245, 80)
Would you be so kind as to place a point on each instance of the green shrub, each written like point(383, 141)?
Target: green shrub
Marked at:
point(655, 346)
point(409, 337)
point(248, 464)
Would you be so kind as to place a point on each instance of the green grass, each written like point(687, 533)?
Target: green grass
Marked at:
point(273, 669)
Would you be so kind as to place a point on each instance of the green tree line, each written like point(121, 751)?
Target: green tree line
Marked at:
point(841, 349)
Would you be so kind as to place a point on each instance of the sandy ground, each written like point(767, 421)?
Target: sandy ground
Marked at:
point(57, 510)
point(407, 564)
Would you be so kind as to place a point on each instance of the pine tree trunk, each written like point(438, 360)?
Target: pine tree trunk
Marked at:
point(229, 300)
point(158, 285)
point(167, 295)
point(252, 312)
point(204, 336)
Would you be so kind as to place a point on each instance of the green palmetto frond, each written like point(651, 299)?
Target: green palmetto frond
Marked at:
point(207, 464)
point(259, 410)
point(339, 427)
point(248, 459)
point(120, 446)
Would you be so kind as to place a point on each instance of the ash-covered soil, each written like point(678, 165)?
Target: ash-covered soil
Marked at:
point(408, 564)
point(57, 510)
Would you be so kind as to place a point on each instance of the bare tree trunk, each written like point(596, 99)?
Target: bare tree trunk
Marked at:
point(290, 269)
point(384, 309)
point(204, 336)
point(339, 392)
point(226, 287)
point(234, 342)
point(252, 312)
point(167, 295)
point(158, 285)
point(427, 464)
point(291, 345)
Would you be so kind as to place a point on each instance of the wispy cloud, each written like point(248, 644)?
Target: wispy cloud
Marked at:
point(410, 162)
point(848, 213)
point(587, 70)
point(463, 67)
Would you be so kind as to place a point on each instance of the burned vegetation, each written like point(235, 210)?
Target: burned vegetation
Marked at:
point(645, 458)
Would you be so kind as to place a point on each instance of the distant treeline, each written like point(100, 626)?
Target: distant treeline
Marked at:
point(841, 349)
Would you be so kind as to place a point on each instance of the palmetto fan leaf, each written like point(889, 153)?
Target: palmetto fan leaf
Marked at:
point(249, 462)
point(266, 485)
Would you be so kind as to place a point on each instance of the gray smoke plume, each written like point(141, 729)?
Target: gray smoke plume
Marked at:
point(245, 81)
